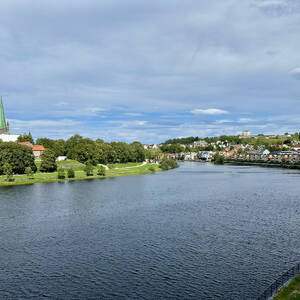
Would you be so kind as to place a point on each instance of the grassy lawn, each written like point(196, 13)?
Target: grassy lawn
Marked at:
point(290, 292)
point(130, 164)
point(79, 175)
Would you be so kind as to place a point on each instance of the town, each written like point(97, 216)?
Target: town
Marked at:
point(244, 147)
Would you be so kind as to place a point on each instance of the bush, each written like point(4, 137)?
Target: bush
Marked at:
point(29, 172)
point(151, 169)
point(89, 170)
point(61, 173)
point(101, 171)
point(71, 173)
point(218, 160)
point(167, 164)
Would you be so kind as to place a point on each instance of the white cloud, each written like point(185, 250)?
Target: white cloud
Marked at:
point(245, 120)
point(295, 73)
point(223, 121)
point(209, 111)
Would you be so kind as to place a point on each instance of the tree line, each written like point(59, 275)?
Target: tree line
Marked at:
point(83, 150)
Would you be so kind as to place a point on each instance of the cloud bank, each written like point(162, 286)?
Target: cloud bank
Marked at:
point(127, 70)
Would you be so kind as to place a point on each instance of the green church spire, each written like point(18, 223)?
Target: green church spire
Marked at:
point(3, 124)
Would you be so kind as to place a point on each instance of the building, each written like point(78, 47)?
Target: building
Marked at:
point(5, 136)
point(246, 133)
point(4, 126)
point(36, 149)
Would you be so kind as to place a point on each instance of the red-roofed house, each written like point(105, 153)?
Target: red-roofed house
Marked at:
point(37, 149)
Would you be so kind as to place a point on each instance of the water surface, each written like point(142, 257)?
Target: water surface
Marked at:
point(197, 232)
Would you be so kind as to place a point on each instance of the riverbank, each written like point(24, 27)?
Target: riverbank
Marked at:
point(290, 292)
point(262, 164)
point(115, 171)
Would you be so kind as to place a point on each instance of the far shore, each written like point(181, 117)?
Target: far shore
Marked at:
point(115, 170)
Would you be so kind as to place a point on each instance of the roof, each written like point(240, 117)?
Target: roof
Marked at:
point(33, 147)
point(25, 144)
point(38, 148)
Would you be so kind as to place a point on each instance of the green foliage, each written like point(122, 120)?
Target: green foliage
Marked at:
point(167, 164)
point(101, 171)
point(89, 169)
point(152, 169)
point(218, 160)
point(173, 148)
point(8, 171)
point(25, 138)
point(17, 156)
point(29, 172)
point(46, 142)
point(71, 173)
point(48, 163)
point(61, 173)
point(183, 141)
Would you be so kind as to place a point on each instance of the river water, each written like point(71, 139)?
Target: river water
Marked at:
point(197, 232)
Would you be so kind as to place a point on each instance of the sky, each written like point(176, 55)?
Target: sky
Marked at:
point(127, 70)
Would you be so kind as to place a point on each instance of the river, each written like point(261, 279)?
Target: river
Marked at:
point(197, 232)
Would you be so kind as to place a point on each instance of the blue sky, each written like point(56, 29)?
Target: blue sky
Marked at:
point(150, 70)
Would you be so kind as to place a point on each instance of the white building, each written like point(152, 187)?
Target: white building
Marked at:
point(9, 137)
point(246, 133)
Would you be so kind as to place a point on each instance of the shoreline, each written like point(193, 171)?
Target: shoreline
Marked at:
point(132, 171)
point(263, 164)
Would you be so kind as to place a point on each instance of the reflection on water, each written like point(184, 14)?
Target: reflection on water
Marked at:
point(197, 232)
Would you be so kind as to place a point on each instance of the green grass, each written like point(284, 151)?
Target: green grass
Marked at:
point(290, 292)
point(130, 164)
point(79, 175)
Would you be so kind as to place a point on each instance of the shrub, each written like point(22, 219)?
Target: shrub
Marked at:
point(218, 160)
point(167, 164)
point(61, 173)
point(29, 172)
point(151, 169)
point(89, 170)
point(101, 171)
point(71, 173)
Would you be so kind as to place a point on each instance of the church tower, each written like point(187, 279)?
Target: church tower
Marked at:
point(4, 127)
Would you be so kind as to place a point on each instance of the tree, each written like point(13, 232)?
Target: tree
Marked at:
point(8, 171)
point(46, 142)
point(71, 173)
point(29, 173)
point(89, 169)
point(167, 164)
point(85, 151)
point(218, 160)
point(48, 163)
point(101, 171)
point(61, 173)
point(25, 138)
point(19, 157)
